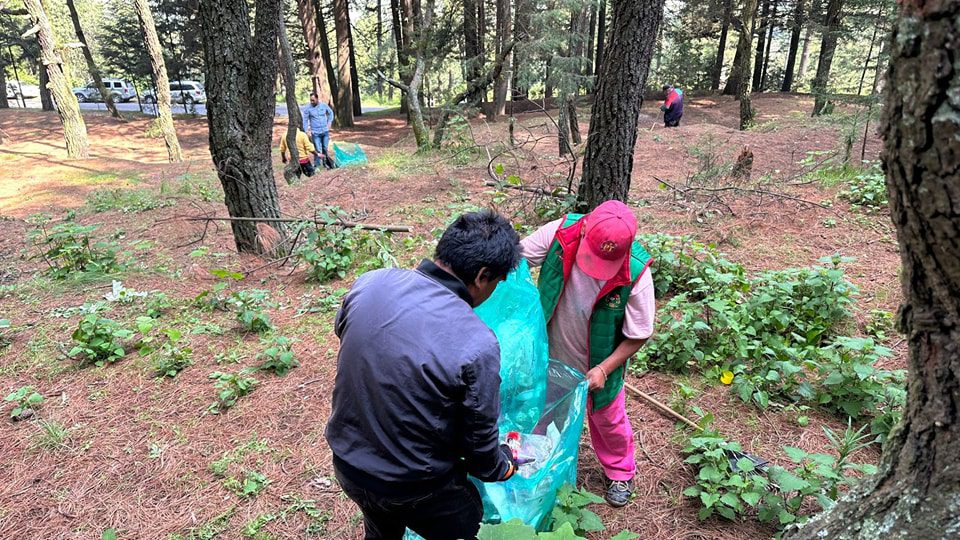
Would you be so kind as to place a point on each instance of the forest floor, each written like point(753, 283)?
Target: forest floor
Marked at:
point(115, 447)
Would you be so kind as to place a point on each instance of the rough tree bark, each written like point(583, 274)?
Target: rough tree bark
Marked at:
point(722, 45)
point(915, 492)
point(354, 75)
point(403, 58)
point(159, 68)
point(471, 49)
point(608, 162)
point(91, 65)
point(411, 89)
point(307, 13)
point(828, 45)
point(344, 103)
point(379, 54)
point(289, 72)
point(798, 23)
point(325, 52)
point(761, 43)
point(503, 37)
point(74, 129)
point(4, 103)
point(46, 98)
point(881, 58)
point(240, 74)
point(591, 36)
point(743, 50)
point(601, 36)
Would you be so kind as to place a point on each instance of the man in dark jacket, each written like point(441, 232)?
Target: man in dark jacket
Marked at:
point(672, 106)
point(417, 391)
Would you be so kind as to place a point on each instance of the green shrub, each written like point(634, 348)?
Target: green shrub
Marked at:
point(67, 249)
point(328, 253)
point(725, 488)
point(232, 386)
point(248, 307)
point(24, 399)
point(172, 358)
point(867, 189)
point(278, 357)
point(571, 509)
point(99, 340)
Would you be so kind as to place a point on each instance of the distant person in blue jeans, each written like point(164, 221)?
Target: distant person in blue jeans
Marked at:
point(317, 119)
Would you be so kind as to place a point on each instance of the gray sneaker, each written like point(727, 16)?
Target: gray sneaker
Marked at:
point(619, 492)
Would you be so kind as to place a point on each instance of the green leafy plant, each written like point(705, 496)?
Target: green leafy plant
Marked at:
point(67, 249)
point(99, 340)
point(278, 356)
point(26, 400)
point(328, 252)
point(172, 357)
point(571, 508)
point(215, 297)
point(253, 483)
point(126, 200)
point(248, 307)
point(867, 188)
point(231, 386)
point(880, 324)
point(517, 530)
point(328, 302)
point(4, 326)
point(723, 487)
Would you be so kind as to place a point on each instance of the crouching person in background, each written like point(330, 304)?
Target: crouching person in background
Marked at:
point(417, 392)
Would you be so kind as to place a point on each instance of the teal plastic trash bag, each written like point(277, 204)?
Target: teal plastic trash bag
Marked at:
point(531, 493)
point(348, 154)
point(514, 314)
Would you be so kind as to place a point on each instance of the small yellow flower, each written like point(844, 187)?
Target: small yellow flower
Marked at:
point(726, 377)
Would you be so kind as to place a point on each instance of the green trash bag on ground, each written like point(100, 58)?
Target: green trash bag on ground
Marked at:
point(348, 154)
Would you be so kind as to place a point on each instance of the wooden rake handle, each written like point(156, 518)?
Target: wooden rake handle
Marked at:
point(665, 410)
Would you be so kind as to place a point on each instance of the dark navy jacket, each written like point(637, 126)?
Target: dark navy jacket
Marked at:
point(674, 106)
point(417, 391)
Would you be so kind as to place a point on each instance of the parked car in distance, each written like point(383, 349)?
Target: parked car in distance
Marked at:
point(27, 91)
point(183, 92)
point(122, 91)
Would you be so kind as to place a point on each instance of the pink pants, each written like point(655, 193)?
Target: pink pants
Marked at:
point(612, 437)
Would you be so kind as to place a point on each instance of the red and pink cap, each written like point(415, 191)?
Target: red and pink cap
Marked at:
point(609, 231)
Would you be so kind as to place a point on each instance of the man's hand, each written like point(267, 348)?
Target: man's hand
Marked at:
point(309, 133)
point(596, 379)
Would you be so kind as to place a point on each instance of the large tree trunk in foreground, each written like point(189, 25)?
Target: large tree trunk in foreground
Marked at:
point(159, 68)
point(289, 73)
point(91, 65)
point(828, 45)
point(915, 492)
point(240, 74)
point(341, 21)
point(74, 129)
point(721, 46)
point(743, 78)
point(608, 162)
point(794, 46)
point(307, 13)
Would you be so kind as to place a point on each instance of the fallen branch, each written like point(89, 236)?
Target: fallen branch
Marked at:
point(538, 191)
point(751, 191)
point(341, 223)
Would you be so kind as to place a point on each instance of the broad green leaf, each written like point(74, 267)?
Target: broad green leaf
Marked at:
point(730, 500)
point(564, 532)
point(511, 530)
point(795, 454)
point(750, 497)
point(590, 522)
point(625, 535)
point(109, 534)
point(692, 491)
point(789, 481)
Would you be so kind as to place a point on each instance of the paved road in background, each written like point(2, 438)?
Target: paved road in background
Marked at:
point(177, 109)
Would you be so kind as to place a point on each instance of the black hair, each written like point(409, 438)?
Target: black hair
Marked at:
point(314, 94)
point(477, 240)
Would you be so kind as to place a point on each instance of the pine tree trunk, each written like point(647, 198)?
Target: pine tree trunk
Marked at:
point(344, 103)
point(4, 102)
point(574, 120)
point(608, 161)
point(828, 45)
point(354, 75)
point(563, 125)
point(732, 85)
point(380, 49)
point(591, 29)
point(74, 129)
point(601, 36)
point(722, 45)
point(46, 98)
point(744, 47)
point(471, 48)
point(914, 495)
point(165, 119)
point(289, 73)
point(323, 37)
point(91, 65)
point(798, 23)
point(402, 57)
point(807, 39)
point(766, 54)
point(761, 44)
point(504, 36)
point(881, 62)
point(307, 13)
point(240, 74)
point(521, 33)
point(873, 41)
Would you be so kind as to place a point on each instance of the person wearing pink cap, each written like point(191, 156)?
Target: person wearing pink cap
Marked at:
point(598, 300)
